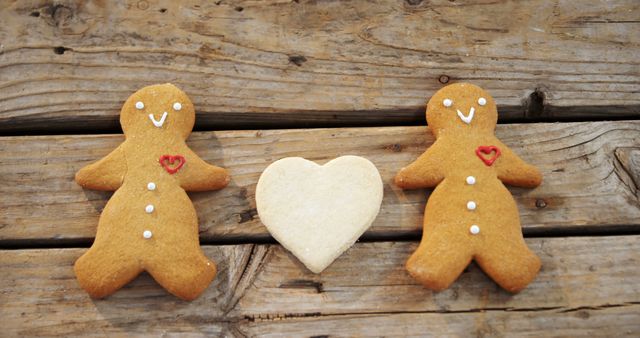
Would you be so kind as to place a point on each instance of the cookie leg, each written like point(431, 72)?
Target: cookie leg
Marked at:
point(438, 262)
point(511, 264)
point(185, 274)
point(101, 273)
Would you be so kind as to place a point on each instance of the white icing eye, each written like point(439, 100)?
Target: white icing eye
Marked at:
point(139, 105)
point(177, 106)
point(482, 101)
point(447, 102)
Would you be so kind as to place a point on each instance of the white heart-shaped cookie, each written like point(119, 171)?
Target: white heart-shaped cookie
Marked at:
point(318, 212)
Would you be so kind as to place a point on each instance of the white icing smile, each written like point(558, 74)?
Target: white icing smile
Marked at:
point(466, 119)
point(161, 122)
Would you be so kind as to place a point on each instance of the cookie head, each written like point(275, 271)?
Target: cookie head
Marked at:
point(461, 107)
point(158, 109)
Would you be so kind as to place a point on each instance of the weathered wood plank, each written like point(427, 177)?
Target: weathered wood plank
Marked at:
point(618, 321)
point(69, 64)
point(576, 272)
point(590, 174)
point(40, 297)
point(262, 289)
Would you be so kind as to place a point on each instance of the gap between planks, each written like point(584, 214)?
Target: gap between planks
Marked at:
point(207, 123)
point(266, 239)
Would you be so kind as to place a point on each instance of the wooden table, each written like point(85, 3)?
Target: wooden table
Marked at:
point(356, 74)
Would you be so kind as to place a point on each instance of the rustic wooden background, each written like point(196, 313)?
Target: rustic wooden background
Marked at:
point(320, 79)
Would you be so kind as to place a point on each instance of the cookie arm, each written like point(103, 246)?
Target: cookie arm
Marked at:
point(513, 170)
point(198, 175)
point(425, 172)
point(106, 174)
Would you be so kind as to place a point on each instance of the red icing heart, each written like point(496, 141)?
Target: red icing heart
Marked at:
point(487, 150)
point(167, 161)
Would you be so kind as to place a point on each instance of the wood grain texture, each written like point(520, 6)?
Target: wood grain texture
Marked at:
point(41, 297)
point(587, 283)
point(590, 178)
point(616, 321)
point(69, 64)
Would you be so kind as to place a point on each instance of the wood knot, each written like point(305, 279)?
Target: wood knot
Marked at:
point(65, 18)
point(534, 104)
point(627, 167)
point(583, 314)
point(396, 148)
point(297, 60)
point(242, 193)
point(142, 5)
point(414, 2)
point(60, 14)
point(60, 50)
point(247, 215)
point(444, 79)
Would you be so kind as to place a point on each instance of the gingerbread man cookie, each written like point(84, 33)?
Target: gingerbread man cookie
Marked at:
point(470, 214)
point(150, 224)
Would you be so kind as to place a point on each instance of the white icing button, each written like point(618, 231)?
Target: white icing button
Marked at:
point(147, 234)
point(149, 208)
point(447, 102)
point(471, 205)
point(471, 180)
point(139, 105)
point(474, 229)
point(151, 186)
point(482, 101)
point(177, 106)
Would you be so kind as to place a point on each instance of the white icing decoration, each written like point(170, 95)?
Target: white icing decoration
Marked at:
point(482, 101)
point(471, 205)
point(139, 105)
point(466, 119)
point(177, 106)
point(158, 123)
point(147, 234)
point(149, 208)
point(474, 229)
point(471, 180)
point(151, 186)
point(447, 102)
